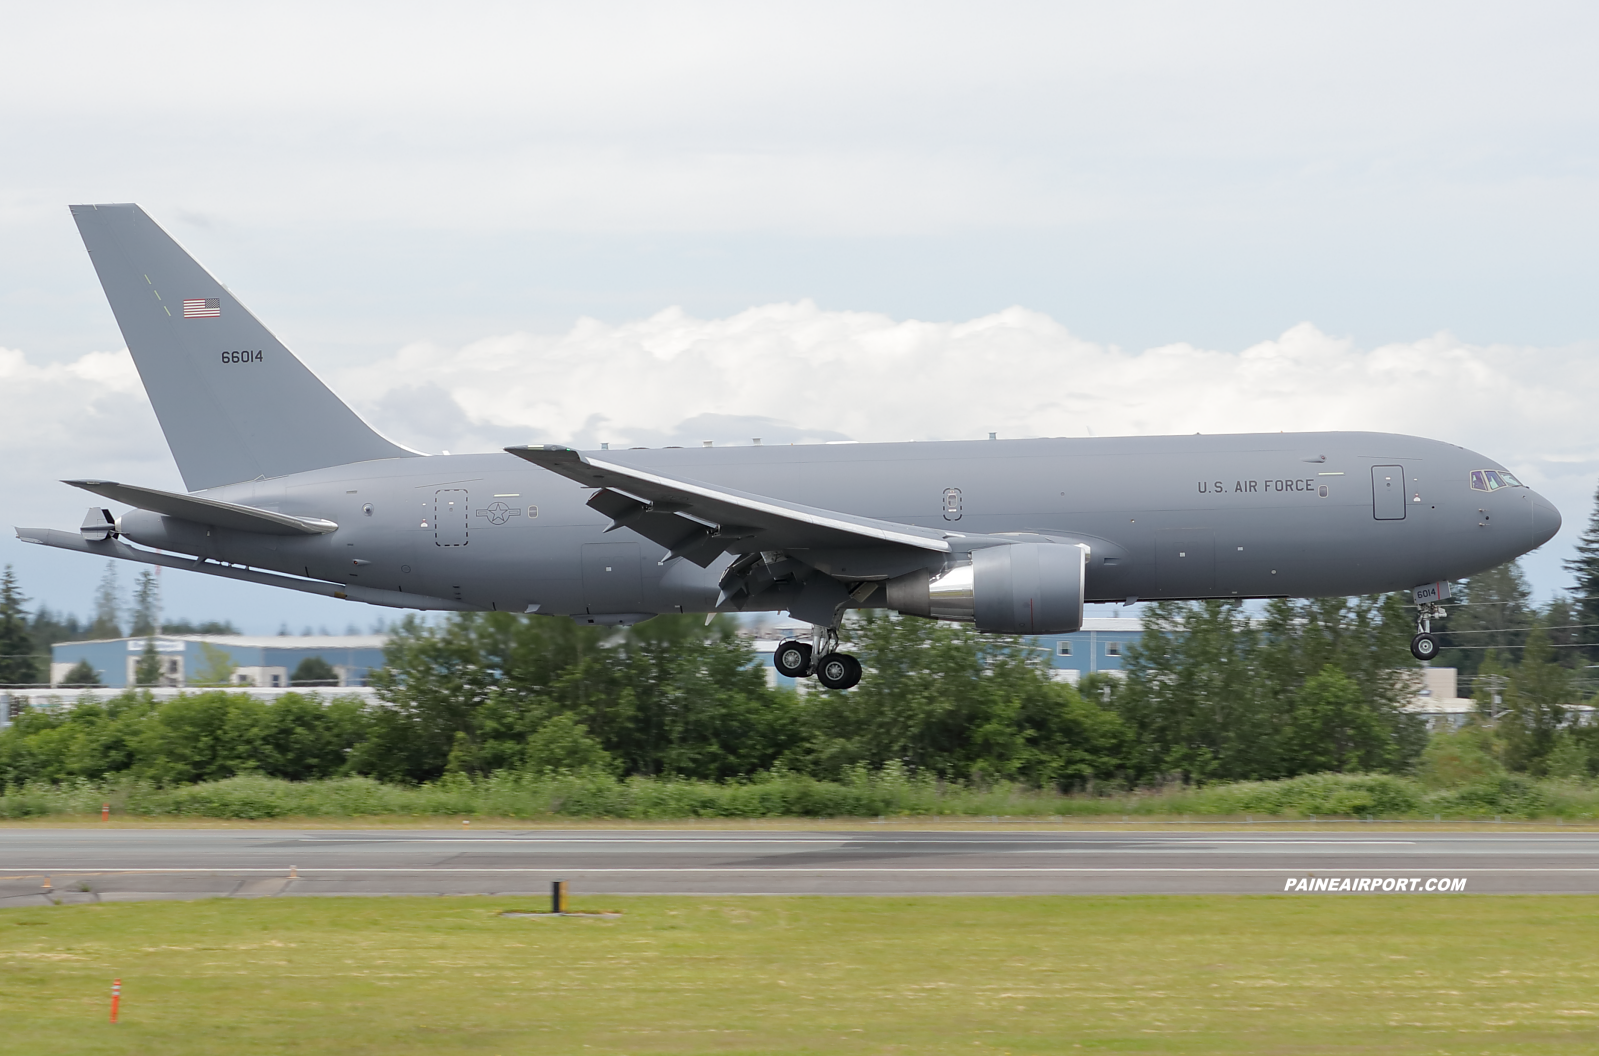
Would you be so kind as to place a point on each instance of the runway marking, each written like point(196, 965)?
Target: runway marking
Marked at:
point(866, 842)
point(1044, 869)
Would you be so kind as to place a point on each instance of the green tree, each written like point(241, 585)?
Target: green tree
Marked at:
point(1192, 698)
point(202, 627)
point(81, 673)
point(146, 606)
point(563, 743)
point(48, 628)
point(218, 669)
point(1366, 640)
point(1333, 727)
point(19, 665)
point(314, 671)
point(107, 605)
point(1536, 703)
point(943, 699)
point(147, 672)
point(1562, 622)
point(671, 696)
point(1584, 568)
point(1492, 610)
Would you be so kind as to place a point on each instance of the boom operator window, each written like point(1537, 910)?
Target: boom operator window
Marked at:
point(1493, 480)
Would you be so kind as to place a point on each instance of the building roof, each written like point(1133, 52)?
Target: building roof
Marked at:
point(261, 641)
point(1130, 625)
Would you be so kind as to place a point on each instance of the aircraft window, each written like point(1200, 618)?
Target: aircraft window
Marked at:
point(1493, 480)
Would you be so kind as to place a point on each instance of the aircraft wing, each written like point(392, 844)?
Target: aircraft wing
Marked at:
point(206, 511)
point(699, 521)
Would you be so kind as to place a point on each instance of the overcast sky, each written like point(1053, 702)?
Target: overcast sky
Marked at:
point(656, 222)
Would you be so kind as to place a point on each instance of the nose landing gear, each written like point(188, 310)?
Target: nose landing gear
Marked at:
point(1425, 645)
point(833, 669)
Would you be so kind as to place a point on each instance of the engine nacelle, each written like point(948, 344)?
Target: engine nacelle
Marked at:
point(1020, 588)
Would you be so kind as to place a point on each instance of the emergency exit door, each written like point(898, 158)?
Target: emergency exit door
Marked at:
point(1388, 492)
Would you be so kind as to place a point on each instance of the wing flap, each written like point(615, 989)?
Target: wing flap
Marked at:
point(710, 519)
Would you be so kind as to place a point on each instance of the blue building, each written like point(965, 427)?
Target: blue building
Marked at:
point(248, 660)
point(1097, 648)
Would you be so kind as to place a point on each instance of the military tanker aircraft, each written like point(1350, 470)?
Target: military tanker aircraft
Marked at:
point(289, 487)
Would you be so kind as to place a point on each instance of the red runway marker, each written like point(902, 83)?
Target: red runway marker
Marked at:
point(116, 998)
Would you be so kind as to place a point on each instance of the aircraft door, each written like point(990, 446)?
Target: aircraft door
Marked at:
point(450, 513)
point(1185, 562)
point(1388, 492)
point(612, 579)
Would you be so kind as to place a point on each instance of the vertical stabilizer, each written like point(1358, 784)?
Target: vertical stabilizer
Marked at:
point(234, 403)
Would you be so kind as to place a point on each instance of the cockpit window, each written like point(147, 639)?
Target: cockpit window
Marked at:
point(1493, 480)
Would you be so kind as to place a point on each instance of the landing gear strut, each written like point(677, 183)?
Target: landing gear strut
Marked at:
point(1425, 645)
point(819, 657)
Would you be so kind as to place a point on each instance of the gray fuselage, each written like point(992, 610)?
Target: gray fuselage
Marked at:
point(1246, 516)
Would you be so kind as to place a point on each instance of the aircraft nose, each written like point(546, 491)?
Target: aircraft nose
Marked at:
point(1545, 520)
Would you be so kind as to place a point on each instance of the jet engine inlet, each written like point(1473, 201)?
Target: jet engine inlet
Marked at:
point(1020, 588)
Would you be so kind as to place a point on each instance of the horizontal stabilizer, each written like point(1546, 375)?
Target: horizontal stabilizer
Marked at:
point(394, 599)
point(206, 511)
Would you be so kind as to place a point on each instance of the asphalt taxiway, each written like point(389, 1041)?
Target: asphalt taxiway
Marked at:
point(70, 865)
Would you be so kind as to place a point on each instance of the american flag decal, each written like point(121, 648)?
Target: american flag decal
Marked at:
point(202, 307)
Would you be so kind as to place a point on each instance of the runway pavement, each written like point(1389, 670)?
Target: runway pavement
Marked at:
point(114, 865)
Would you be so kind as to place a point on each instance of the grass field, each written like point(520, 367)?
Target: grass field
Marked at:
point(1238, 975)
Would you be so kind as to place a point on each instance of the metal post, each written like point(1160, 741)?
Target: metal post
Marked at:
point(558, 896)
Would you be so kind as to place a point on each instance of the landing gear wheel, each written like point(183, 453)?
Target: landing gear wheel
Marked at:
point(838, 671)
point(1424, 646)
point(792, 659)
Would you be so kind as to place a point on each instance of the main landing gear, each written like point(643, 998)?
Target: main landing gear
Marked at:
point(1425, 645)
point(833, 669)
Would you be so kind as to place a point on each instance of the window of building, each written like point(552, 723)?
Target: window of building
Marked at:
point(1113, 648)
point(1063, 648)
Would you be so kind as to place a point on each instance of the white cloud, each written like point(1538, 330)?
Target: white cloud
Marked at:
point(1017, 372)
